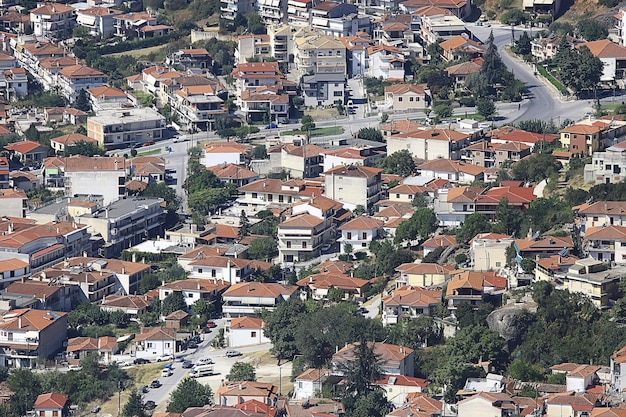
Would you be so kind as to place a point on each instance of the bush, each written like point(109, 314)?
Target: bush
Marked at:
point(467, 101)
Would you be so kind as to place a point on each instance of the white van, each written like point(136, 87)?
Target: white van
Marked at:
point(201, 370)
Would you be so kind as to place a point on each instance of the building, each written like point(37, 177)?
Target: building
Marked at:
point(497, 404)
point(234, 174)
point(29, 153)
point(461, 71)
point(608, 166)
point(338, 19)
point(301, 237)
point(13, 202)
point(354, 185)
point(465, 287)
point(131, 305)
point(461, 47)
point(320, 54)
point(218, 153)
point(52, 405)
point(305, 161)
point(430, 144)
point(407, 97)
point(231, 8)
point(27, 335)
point(613, 57)
point(192, 58)
point(198, 106)
point(247, 298)
point(359, 233)
point(423, 274)
point(124, 128)
point(155, 343)
point(542, 247)
point(592, 278)
point(451, 170)
point(606, 243)
point(40, 295)
point(233, 394)
point(386, 62)
point(408, 302)
point(600, 214)
point(82, 172)
point(255, 106)
point(488, 251)
point(269, 193)
point(324, 89)
point(246, 331)
point(52, 20)
point(60, 143)
point(582, 139)
point(309, 383)
point(618, 369)
point(194, 289)
point(347, 288)
point(99, 20)
point(438, 241)
point(104, 347)
point(393, 359)
point(12, 270)
point(398, 388)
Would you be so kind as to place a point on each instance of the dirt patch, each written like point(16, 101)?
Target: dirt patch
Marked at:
point(322, 113)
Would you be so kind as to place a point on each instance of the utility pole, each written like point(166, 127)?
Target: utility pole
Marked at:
point(119, 398)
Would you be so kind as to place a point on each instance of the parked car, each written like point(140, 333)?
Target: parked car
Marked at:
point(361, 311)
point(178, 359)
point(155, 384)
point(141, 361)
point(149, 405)
point(148, 143)
point(232, 353)
point(95, 409)
point(192, 345)
point(180, 139)
point(271, 126)
point(204, 361)
point(187, 365)
point(211, 325)
point(326, 247)
point(143, 389)
point(196, 339)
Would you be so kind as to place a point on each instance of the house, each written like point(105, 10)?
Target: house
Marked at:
point(82, 172)
point(438, 241)
point(518, 197)
point(510, 152)
point(99, 20)
point(600, 214)
point(12, 270)
point(130, 24)
point(131, 305)
point(304, 161)
point(506, 134)
point(429, 144)
point(356, 155)
point(613, 57)
point(105, 347)
point(192, 58)
point(578, 377)
point(571, 404)
point(408, 302)
point(38, 295)
point(64, 115)
point(459, 8)
point(309, 383)
point(322, 285)
point(269, 193)
point(419, 405)
point(4, 173)
point(251, 47)
point(324, 89)
point(60, 143)
point(315, 407)
point(453, 171)
point(247, 298)
point(542, 247)
point(155, 343)
point(488, 251)
point(246, 331)
point(233, 394)
point(459, 47)
point(255, 104)
point(244, 409)
point(194, 289)
point(15, 22)
point(123, 127)
point(461, 71)
point(407, 97)
point(338, 19)
point(553, 267)
point(13, 202)
point(359, 233)
point(15, 83)
point(386, 62)
point(354, 185)
point(592, 278)
point(27, 152)
point(582, 139)
point(176, 320)
point(497, 404)
point(398, 387)
point(217, 153)
point(27, 334)
point(52, 405)
point(107, 97)
point(618, 369)
point(52, 20)
point(606, 243)
point(393, 359)
point(234, 174)
point(423, 274)
point(226, 269)
point(465, 287)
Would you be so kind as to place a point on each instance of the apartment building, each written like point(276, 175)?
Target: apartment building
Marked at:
point(82, 172)
point(360, 232)
point(324, 89)
point(338, 19)
point(28, 335)
point(305, 161)
point(272, 11)
point(52, 20)
point(99, 20)
point(430, 144)
point(231, 8)
point(192, 58)
point(386, 62)
point(354, 186)
point(356, 53)
point(592, 278)
point(301, 237)
point(248, 298)
point(320, 54)
point(600, 214)
point(582, 139)
point(367, 156)
point(71, 80)
point(123, 128)
point(281, 43)
point(198, 107)
point(608, 166)
point(13, 202)
point(299, 12)
point(14, 22)
point(269, 193)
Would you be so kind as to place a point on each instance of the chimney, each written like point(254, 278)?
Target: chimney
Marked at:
point(19, 321)
point(123, 270)
point(84, 254)
point(240, 387)
point(10, 228)
point(106, 212)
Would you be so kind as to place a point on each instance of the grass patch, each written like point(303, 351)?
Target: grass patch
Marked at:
point(323, 131)
point(148, 153)
point(473, 116)
point(138, 53)
point(552, 80)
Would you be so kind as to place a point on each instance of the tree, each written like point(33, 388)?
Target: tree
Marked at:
point(82, 101)
point(510, 219)
point(119, 319)
point(244, 225)
point(523, 45)
point(241, 371)
point(492, 72)
point(134, 406)
point(202, 308)
point(173, 302)
point(374, 404)
point(307, 123)
point(398, 163)
point(189, 393)
point(148, 282)
point(422, 223)
point(443, 111)
point(282, 324)
point(32, 133)
point(264, 248)
point(84, 148)
point(474, 224)
point(359, 210)
point(347, 249)
point(486, 108)
point(592, 30)
point(369, 133)
point(26, 386)
point(536, 168)
point(528, 265)
point(361, 372)
point(523, 371)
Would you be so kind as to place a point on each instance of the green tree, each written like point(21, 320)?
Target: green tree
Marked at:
point(486, 108)
point(189, 393)
point(202, 308)
point(422, 223)
point(120, 319)
point(510, 219)
point(244, 225)
point(26, 386)
point(523, 371)
point(443, 111)
point(536, 168)
point(398, 163)
point(134, 406)
point(347, 249)
point(523, 45)
point(173, 302)
point(374, 404)
point(265, 248)
point(474, 224)
point(361, 372)
point(492, 72)
point(528, 265)
point(84, 148)
point(307, 123)
point(148, 282)
point(370, 133)
point(241, 371)
point(32, 133)
point(335, 295)
point(591, 29)
point(82, 101)
point(281, 326)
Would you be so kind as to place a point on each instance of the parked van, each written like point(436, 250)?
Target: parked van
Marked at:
point(201, 370)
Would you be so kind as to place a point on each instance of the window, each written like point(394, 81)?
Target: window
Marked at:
point(399, 98)
point(150, 346)
point(364, 235)
point(411, 99)
point(42, 413)
point(166, 344)
point(363, 245)
point(254, 195)
point(199, 270)
point(397, 195)
point(498, 264)
point(349, 235)
point(337, 93)
point(213, 273)
point(303, 245)
point(288, 244)
point(252, 334)
point(55, 413)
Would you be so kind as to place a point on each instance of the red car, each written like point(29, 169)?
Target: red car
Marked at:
point(148, 143)
point(211, 325)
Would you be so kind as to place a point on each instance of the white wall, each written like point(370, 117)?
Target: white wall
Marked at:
point(104, 183)
point(247, 337)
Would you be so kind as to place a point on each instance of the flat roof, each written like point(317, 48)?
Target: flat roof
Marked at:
point(116, 209)
point(119, 116)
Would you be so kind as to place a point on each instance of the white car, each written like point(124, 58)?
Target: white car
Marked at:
point(204, 361)
point(180, 139)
